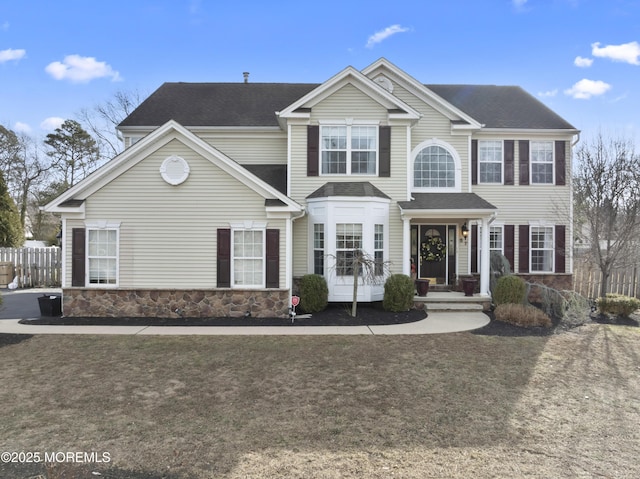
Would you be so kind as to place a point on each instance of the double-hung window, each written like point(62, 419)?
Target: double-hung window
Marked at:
point(349, 150)
point(378, 249)
point(348, 245)
point(248, 257)
point(496, 241)
point(542, 249)
point(541, 153)
point(490, 161)
point(318, 248)
point(102, 255)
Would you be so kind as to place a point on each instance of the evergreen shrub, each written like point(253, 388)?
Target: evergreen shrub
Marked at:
point(314, 293)
point(509, 289)
point(399, 290)
point(618, 305)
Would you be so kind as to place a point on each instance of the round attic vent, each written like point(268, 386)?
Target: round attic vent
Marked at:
point(384, 82)
point(174, 170)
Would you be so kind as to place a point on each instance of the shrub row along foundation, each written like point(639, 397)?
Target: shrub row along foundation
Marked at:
point(79, 302)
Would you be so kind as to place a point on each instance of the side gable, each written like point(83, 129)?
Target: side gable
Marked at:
point(157, 139)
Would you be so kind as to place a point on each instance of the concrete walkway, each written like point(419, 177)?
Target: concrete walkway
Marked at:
point(17, 302)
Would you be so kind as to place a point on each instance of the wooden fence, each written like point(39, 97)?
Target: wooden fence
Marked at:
point(587, 280)
point(33, 267)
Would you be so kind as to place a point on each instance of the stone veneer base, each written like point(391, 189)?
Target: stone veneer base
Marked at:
point(174, 303)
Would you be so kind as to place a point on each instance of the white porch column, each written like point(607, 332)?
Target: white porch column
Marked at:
point(485, 258)
point(406, 246)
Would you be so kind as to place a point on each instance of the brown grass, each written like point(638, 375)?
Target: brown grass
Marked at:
point(454, 406)
point(525, 316)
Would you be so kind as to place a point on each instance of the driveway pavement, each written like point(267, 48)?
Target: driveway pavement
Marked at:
point(23, 303)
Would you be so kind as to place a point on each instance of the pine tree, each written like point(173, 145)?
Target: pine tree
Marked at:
point(11, 233)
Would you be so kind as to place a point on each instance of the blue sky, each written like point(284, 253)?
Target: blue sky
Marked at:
point(579, 57)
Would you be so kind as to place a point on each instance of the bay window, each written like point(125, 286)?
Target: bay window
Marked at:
point(348, 243)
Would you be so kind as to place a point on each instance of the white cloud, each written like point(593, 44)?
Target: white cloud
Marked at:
point(21, 127)
point(52, 123)
point(7, 55)
point(583, 62)
point(627, 52)
point(79, 69)
point(585, 89)
point(384, 34)
point(547, 94)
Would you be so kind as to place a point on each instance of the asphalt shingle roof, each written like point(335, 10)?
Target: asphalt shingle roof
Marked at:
point(348, 188)
point(255, 104)
point(446, 201)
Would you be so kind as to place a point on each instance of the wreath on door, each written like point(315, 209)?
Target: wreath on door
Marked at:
point(433, 249)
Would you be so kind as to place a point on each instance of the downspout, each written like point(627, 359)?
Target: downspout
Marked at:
point(289, 251)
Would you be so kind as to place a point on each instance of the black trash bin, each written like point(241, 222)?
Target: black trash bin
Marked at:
point(50, 305)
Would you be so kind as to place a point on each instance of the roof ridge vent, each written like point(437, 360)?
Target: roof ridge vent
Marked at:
point(246, 76)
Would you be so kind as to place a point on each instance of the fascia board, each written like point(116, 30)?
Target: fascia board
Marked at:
point(420, 91)
point(531, 132)
point(448, 213)
point(363, 83)
point(105, 173)
point(156, 140)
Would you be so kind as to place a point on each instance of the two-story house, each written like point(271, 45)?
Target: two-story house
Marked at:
point(228, 192)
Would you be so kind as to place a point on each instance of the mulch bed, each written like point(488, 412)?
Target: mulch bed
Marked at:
point(336, 314)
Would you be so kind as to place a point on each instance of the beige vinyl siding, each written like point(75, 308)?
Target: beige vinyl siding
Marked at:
point(250, 148)
point(168, 233)
point(520, 205)
point(348, 102)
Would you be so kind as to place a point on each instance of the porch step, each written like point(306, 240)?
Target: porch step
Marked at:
point(454, 307)
point(453, 301)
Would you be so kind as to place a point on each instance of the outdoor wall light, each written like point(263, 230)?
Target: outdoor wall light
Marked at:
point(465, 233)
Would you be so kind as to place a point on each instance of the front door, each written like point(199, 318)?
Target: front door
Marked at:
point(432, 252)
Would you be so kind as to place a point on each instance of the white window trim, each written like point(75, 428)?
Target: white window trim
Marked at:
point(553, 163)
point(101, 225)
point(243, 227)
point(501, 182)
point(542, 224)
point(493, 225)
point(457, 188)
point(349, 123)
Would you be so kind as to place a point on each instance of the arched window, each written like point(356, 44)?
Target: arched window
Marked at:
point(435, 167)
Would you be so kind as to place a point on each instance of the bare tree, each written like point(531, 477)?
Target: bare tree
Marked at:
point(607, 202)
point(102, 119)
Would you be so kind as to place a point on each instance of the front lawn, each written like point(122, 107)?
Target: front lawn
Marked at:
point(455, 406)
